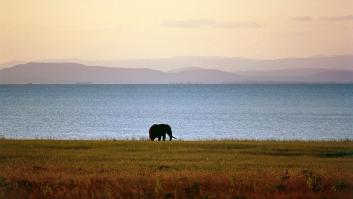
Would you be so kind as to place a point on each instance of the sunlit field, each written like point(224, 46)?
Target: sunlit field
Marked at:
point(178, 169)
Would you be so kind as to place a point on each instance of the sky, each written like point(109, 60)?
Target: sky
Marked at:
point(129, 29)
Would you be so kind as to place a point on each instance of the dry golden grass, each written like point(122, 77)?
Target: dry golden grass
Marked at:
point(182, 169)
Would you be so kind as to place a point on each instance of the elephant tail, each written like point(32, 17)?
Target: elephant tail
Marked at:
point(174, 137)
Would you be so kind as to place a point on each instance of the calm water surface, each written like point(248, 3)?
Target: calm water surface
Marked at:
point(193, 111)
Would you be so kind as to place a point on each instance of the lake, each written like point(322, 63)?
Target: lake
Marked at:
point(290, 112)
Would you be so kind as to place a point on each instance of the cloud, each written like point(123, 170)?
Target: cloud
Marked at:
point(338, 18)
point(198, 23)
point(238, 24)
point(191, 23)
point(333, 18)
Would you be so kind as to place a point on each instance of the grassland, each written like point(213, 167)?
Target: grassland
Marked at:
point(181, 169)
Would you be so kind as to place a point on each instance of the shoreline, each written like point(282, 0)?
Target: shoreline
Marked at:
point(142, 139)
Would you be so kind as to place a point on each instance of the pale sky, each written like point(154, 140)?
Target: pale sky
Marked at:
point(127, 29)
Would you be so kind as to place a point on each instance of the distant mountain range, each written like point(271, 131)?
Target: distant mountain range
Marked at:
point(214, 70)
point(229, 64)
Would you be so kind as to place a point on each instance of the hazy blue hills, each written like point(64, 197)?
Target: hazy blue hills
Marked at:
point(229, 64)
point(66, 73)
point(72, 73)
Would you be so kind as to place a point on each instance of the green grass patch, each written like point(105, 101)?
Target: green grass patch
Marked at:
point(179, 169)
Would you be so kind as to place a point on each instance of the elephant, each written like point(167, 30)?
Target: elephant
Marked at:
point(159, 130)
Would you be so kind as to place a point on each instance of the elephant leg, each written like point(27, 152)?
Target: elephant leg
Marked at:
point(159, 138)
point(164, 137)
